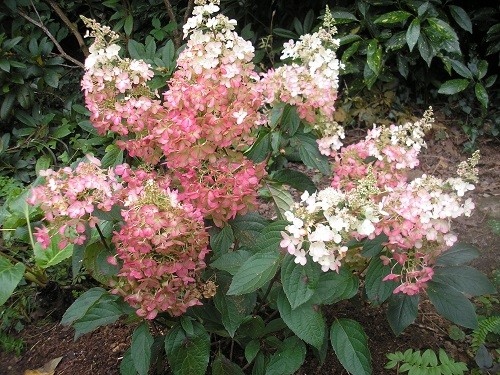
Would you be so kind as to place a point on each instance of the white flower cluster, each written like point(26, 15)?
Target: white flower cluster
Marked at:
point(323, 222)
point(213, 41)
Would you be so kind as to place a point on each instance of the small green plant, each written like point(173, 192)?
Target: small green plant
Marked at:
point(426, 363)
point(11, 344)
point(485, 327)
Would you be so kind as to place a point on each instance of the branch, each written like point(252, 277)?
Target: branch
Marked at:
point(189, 10)
point(71, 26)
point(171, 15)
point(56, 43)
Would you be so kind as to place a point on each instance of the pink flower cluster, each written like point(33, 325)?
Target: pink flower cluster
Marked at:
point(162, 244)
point(69, 199)
point(221, 188)
point(371, 195)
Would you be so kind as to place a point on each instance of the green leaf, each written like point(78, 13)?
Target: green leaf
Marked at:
point(223, 366)
point(482, 69)
point(188, 355)
point(248, 227)
point(233, 309)
point(136, 49)
point(460, 68)
point(453, 86)
point(105, 311)
point(299, 282)
point(372, 248)
point(231, 262)
point(255, 272)
point(82, 304)
point(481, 94)
point(461, 18)
point(282, 198)
point(458, 255)
point(270, 238)
point(426, 51)
point(113, 157)
point(288, 358)
point(306, 321)
point(310, 155)
point(51, 256)
point(376, 289)
point(7, 105)
point(128, 25)
point(127, 365)
point(290, 120)
point(452, 304)
point(392, 17)
point(285, 33)
point(221, 242)
point(261, 147)
point(251, 350)
point(351, 346)
point(374, 56)
point(413, 33)
point(142, 341)
point(51, 77)
point(5, 65)
point(464, 279)
point(343, 17)
point(10, 276)
point(333, 287)
point(95, 260)
point(295, 179)
point(42, 163)
point(402, 311)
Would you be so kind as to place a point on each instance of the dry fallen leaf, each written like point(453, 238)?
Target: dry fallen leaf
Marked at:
point(47, 369)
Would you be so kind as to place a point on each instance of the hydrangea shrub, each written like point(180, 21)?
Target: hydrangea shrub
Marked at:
point(192, 256)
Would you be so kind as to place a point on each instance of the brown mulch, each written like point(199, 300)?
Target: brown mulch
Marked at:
point(100, 352)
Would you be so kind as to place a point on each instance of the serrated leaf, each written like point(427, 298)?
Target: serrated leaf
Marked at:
point(10, 276)
point(82, 304)
point(372, 248)
point(413, 33)
point(248, 227)
point(105, 311)
point(233, 309)
point(376, 289)
point(260, 148)
point(453, 86)
point(461, 18)
point(464, 279)
point(458, 255)
point(270, 237)
point(231, 262)
point(299, 282)
point(51, 256)
point(306, 321)
point(392, 17)
point(288, 358)
point(113, 157)
point(95, 260)
point(452, 304)
point(188, 355)
point(282, 199)
point(290, 120)
point(221, 241)
point(295, 179)
point(402, 311)
point(481, 94)
point(351, 346)
point(333, 287)
point(142, 341)
point(255, 272)
point(310, 155)
point(223, 366)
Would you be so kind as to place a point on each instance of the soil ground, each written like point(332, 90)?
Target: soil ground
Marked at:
point(99, 352)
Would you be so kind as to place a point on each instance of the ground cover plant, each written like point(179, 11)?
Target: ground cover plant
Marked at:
point(172, 236)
